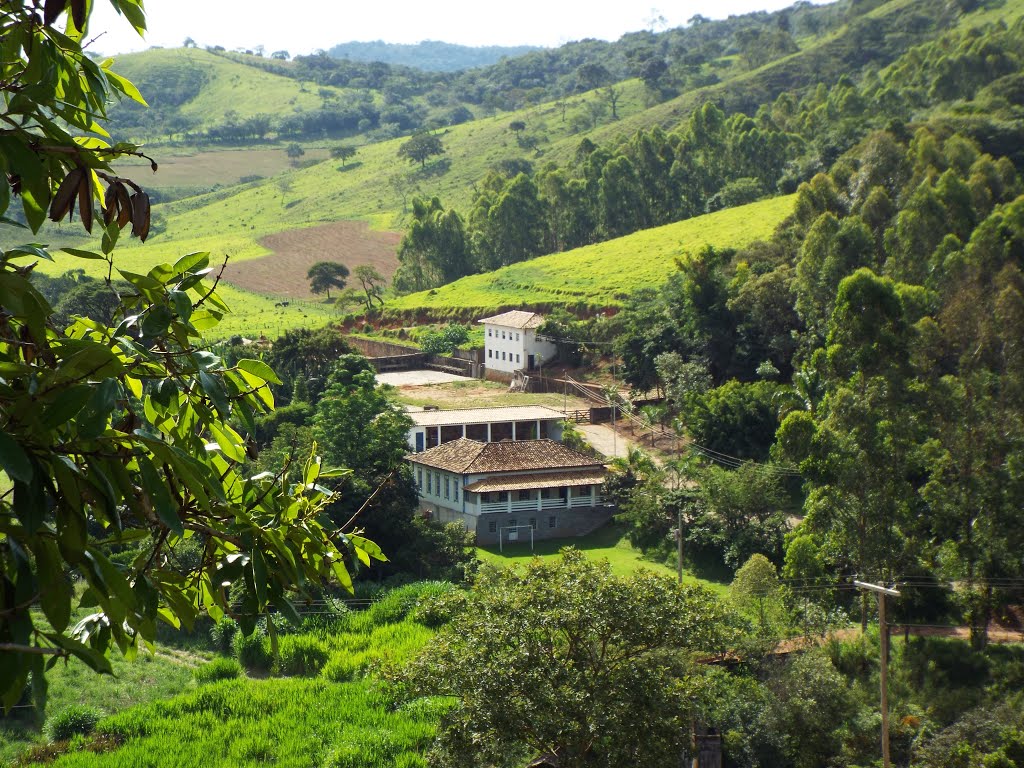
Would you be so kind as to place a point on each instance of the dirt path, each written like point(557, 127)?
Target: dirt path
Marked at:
point(611, 443)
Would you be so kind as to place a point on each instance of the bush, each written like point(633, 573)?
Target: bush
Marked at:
point(218, 669)
point(253, 652)
point(345, 667)
point(222, 634)
point(301, 655)
point(76, 719)
point(437, 606)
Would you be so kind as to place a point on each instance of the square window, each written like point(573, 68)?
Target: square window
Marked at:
point(502, 495)
point(552, 522)
point(492, 526)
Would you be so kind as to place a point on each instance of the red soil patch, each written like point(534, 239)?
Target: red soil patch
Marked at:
point(283, 273)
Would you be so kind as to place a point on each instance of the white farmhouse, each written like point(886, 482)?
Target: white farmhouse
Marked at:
point(511, 343)
point(496, 489)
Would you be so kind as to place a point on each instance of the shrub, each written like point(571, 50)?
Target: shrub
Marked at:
point(218, 669)
point(438, 606)
point(222, 634)
point(301, 655)
point(253, 652)
point(76, 719)
point(344, 667)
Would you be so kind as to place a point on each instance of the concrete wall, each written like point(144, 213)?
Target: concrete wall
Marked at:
point(569, 523)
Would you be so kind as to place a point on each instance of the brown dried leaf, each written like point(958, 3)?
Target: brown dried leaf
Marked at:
point(64, 201)
point(78, 15)
point(124, 206)
point(52, 10)
point(140, 215)
point(85, 201)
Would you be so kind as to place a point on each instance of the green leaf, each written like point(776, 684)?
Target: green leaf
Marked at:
point(159, 495)
point(68, 404)
point(30, 249)
point(156, 320)
point(55, 592)
point(85, 254)
point(260, 369)
point(192, 262)
point(228, 441)
point(369, 547)
point(94, 659)
point(14, 460)
point(182, 304)
point(126, 87)
point(213, 390)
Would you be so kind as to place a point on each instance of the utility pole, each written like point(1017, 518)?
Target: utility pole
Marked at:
point(679, 546)
point(883, 633)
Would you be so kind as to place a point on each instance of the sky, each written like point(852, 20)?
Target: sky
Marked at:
point(303, 26)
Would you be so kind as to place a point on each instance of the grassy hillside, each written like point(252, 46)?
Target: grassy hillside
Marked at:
point(598, 275)
point(205, 87)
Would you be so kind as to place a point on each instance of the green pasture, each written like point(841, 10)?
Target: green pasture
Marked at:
point(147, 678)
point(229, 85)
point(607, 543)
point(600, 275)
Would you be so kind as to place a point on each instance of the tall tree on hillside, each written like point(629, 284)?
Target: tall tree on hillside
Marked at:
point(421, 148)
point(325, 275)
point(372, 283)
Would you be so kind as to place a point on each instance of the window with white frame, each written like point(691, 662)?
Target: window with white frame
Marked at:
point(456, 484)
point(447, 487)
point(517, 337)
point(428, 483)
point(419, 478)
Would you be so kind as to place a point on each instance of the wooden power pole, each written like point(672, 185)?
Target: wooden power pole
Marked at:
point(883, 633)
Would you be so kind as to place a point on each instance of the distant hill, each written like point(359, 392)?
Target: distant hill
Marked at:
point(428, 55)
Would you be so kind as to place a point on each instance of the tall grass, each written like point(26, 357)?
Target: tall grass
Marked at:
point(327, 711)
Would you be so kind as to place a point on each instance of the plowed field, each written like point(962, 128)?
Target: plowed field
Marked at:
point(283, 273)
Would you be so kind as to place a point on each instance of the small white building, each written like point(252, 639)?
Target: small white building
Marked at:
point(511, 343)
point(488, 425)
point(499, 489)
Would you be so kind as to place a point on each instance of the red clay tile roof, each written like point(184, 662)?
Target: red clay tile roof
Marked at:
point(538, 480)
point(465, 456)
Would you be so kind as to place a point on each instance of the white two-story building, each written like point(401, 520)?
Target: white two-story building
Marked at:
point(511, 343)
point(499, 489)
